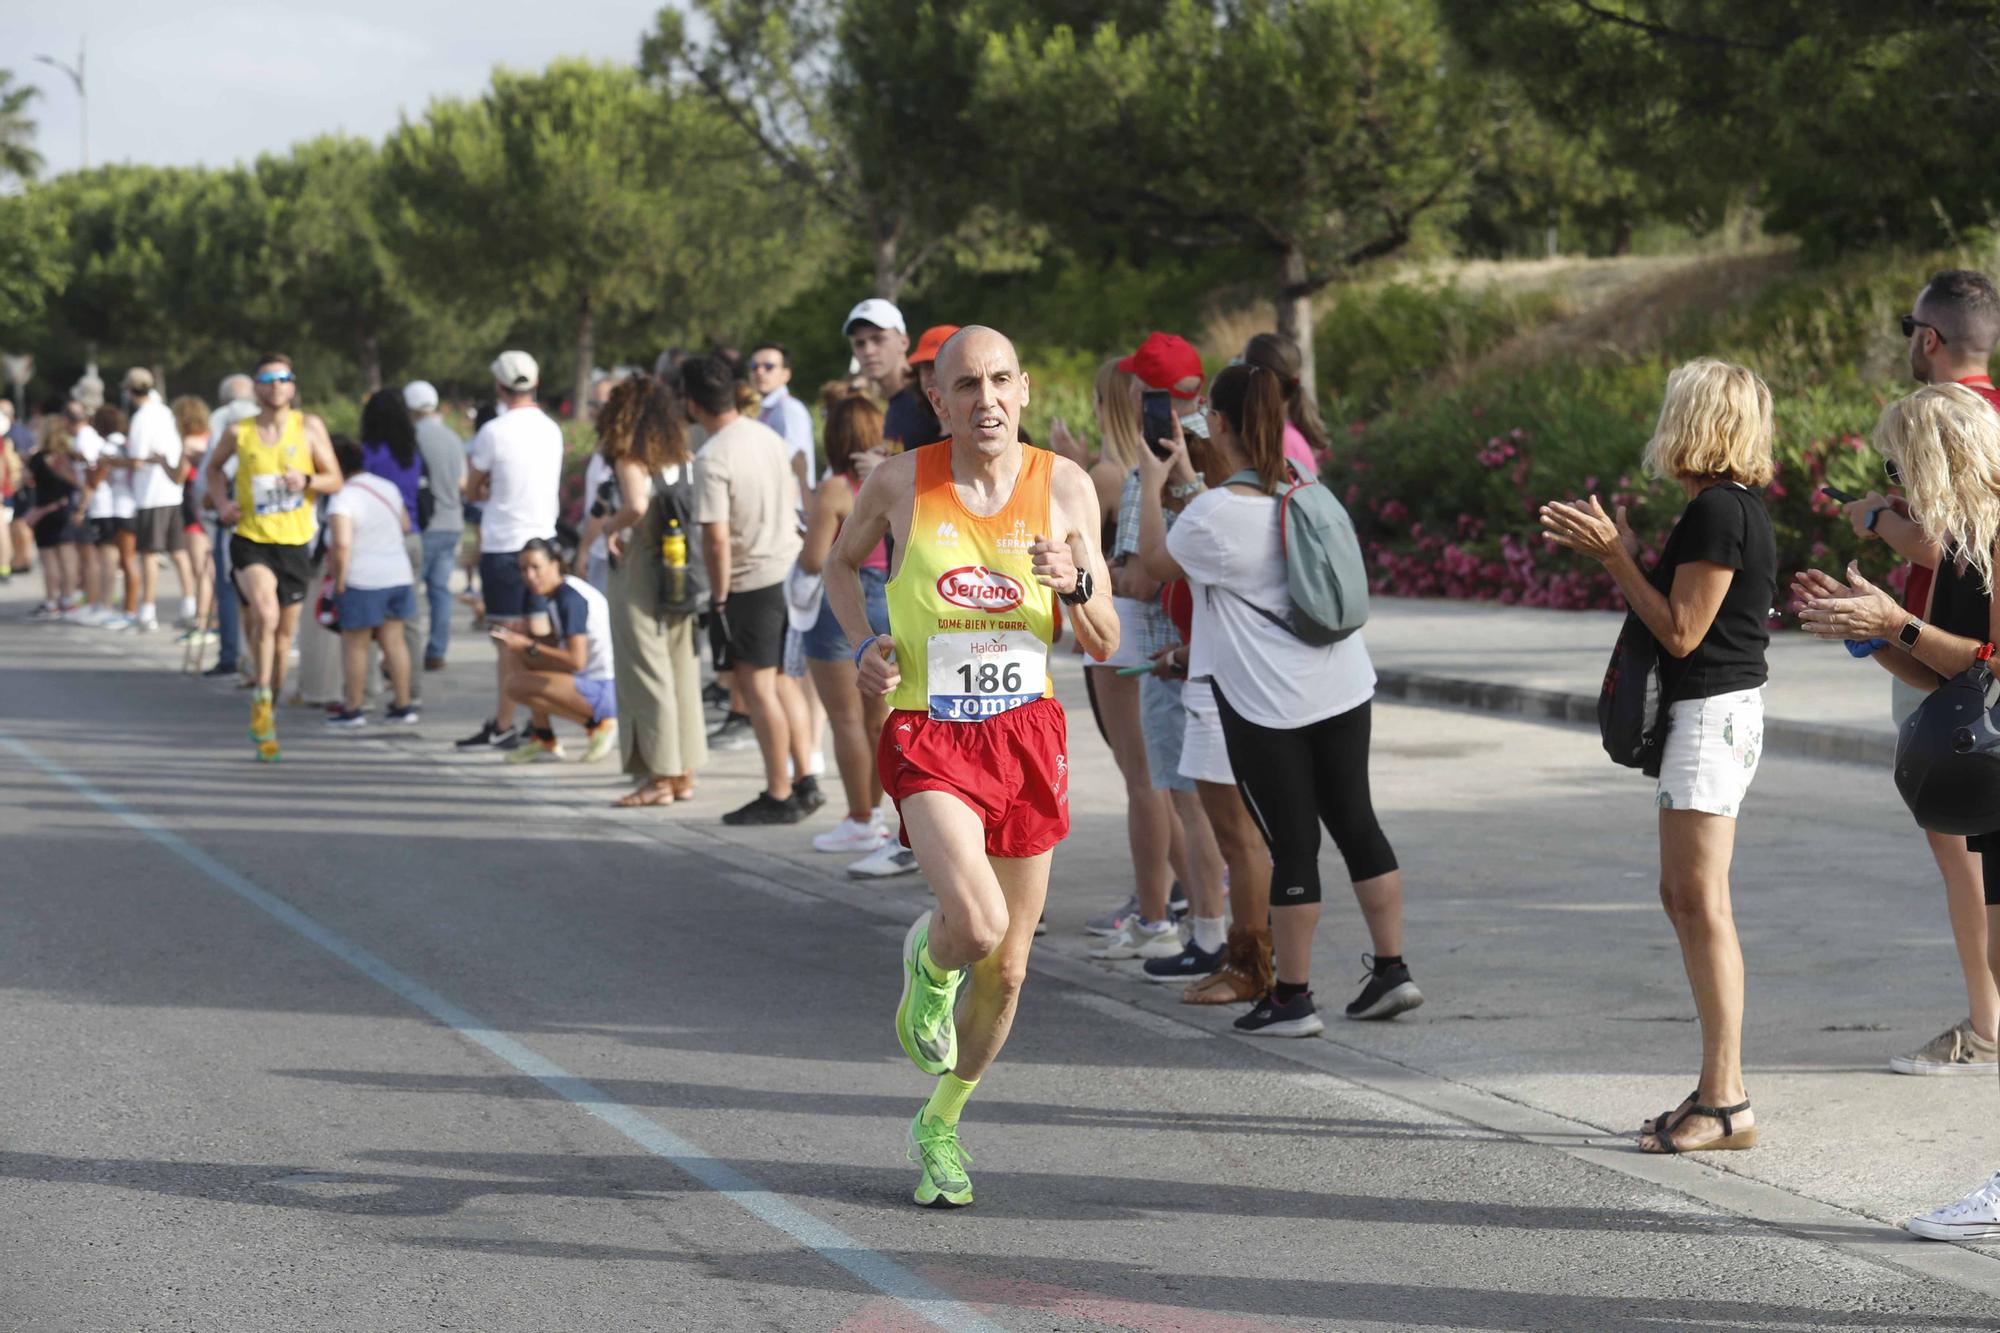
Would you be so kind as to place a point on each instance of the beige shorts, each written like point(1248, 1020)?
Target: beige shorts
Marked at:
point(1204, 756)
point(1713, 746)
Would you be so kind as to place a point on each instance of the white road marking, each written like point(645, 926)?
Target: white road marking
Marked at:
point(829, 1242)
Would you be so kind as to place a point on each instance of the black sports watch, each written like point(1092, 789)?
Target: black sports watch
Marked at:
point(1907, 636)
point(1081, 593)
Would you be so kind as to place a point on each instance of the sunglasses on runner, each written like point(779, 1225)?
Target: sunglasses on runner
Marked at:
point(276, 377)
point(1911, 324)
point(1894, 473)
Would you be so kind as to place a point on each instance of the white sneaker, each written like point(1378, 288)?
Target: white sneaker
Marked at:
point(849, 835)
point(115, 621)
point(886, 862)
point(146, 625)
point(1975, 1217)
point(1138, 938)
point(87, 615)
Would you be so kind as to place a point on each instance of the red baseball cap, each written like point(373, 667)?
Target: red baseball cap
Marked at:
point(1162, 362)
point(928, 345)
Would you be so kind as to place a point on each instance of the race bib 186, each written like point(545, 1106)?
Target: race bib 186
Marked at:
point(977, 676)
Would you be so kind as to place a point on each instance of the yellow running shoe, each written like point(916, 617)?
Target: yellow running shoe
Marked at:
point(926, 1025)
point(944, 1182)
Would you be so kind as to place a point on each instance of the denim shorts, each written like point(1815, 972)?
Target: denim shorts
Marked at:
point(1163, 723)
point(365, 608)
point(827, 642)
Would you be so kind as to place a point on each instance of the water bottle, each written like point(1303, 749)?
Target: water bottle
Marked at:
point(674, 557)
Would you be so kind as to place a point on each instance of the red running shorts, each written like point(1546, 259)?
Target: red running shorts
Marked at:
point(1012, 770)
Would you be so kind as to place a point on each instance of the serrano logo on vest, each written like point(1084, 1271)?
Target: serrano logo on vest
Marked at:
point(978, 588)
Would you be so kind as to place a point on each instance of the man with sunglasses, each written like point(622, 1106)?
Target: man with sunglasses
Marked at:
point(284, 459)
point(771, 377)
point(1952, 329)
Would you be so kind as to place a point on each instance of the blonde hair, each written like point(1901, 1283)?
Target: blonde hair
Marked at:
point(1715, 425)
point(1118, 415)
point(1945, 442)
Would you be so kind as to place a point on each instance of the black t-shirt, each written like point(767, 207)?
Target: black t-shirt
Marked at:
point(1959, 605)
point(1724, 525)
point(910, 421)
point(49, 487)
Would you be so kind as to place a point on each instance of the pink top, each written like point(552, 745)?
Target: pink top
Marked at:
point(879, 557)
point(1299, 450)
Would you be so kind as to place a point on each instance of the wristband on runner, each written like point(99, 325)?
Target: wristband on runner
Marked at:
point(864, 647)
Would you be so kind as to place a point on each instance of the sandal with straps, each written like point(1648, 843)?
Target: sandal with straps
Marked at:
point(1652, 1126)
point(1731, 1139)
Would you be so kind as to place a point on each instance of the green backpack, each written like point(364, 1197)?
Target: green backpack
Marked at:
point(1326, 575)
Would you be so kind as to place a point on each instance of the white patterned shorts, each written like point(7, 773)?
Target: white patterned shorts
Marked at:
point(1713, 746)
point(1204, 754)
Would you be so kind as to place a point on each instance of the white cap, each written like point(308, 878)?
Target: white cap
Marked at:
point(1195, 424)
point(882, 314)
point(419, 396)
point(516, 371)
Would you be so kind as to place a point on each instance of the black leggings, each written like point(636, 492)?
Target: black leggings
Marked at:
point(1292, 780)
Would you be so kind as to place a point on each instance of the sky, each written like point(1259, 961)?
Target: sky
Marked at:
point(212, 82)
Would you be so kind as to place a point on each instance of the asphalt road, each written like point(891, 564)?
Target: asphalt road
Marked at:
point(389, 1038)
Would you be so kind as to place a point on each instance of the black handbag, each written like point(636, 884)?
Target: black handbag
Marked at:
point(683, 586)
point(1631, 710)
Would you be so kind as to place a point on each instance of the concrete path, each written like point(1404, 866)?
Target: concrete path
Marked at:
point(387, 1037)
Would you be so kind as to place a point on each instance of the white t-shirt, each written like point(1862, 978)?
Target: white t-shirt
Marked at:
point(375, 507)
point(1228, 544)
point(90, 449)
point(577, 608)
point(522, 451)
point(154, 435)
point(119, 483)
point(595, 473)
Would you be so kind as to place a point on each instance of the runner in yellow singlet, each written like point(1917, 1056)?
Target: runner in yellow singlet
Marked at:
point(988, 534)
point(284, 459)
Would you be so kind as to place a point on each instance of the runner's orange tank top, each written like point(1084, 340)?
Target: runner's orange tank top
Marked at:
point(966, 598)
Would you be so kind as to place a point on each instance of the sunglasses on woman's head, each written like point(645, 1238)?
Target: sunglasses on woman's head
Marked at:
point(1894, 473)
point(276, 377)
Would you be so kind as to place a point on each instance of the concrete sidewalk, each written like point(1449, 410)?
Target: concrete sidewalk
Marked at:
point(1820, 704)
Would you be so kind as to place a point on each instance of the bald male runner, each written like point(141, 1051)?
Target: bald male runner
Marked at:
point(988, 533)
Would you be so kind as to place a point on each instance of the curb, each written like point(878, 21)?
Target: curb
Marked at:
point(1804, 740)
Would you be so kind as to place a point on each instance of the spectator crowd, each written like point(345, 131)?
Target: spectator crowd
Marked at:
point(684, 610)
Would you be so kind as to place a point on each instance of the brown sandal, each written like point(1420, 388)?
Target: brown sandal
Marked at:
point(1245, 974)
point(653, 794)
point(1731, 1140)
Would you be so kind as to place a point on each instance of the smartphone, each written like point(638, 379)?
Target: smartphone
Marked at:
point(1156, 420)
point(1837, 495)
point(1143, 669)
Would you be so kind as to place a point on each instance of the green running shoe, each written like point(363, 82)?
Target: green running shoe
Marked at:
point(944, 1183)
point(925, 1024)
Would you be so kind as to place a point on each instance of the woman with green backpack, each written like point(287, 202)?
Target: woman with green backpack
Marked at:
point(1278, 593)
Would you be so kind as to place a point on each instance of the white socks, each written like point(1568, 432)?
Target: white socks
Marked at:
point(1209, 933)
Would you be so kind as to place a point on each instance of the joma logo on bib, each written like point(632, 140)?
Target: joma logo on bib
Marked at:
point(978, 588)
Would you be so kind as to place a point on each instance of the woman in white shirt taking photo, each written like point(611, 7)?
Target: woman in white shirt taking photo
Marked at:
point(1295, 715)
point(373, 584)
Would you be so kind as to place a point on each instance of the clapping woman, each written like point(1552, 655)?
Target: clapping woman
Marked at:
point(1942, 446)
point(1708, 606)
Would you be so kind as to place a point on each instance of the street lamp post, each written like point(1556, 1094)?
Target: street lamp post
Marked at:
point(75, 73)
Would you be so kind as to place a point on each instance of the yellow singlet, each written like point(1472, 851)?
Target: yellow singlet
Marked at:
point(970, 623)
point(272, 514)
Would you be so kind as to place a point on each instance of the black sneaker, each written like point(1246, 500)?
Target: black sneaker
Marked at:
point(1191, 962)
point(492, 736)
point(1268, 1018)
point(766, 810)
point(219, 670)
point(1177, 901)
point(406, 716)
point(715, 695)
point(807, 794)
point(1042, 925)
point(1386, 992)
point(346, 717)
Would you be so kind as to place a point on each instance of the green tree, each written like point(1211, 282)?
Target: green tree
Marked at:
point(31, 236)
point(579, 193)
point(1319, 134)
point(18, 157)
point(1851, 121)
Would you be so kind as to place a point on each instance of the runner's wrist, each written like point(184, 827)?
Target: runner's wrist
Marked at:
point(865, 643)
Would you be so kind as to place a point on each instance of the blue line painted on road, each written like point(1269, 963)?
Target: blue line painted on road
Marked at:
point(829, 1242)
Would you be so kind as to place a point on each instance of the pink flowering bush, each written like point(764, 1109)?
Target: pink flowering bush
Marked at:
point(1446, 494)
